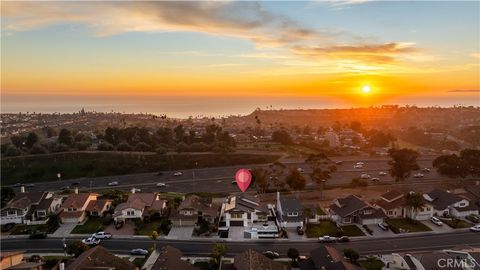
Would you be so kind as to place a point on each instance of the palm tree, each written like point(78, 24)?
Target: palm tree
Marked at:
point(415, 202)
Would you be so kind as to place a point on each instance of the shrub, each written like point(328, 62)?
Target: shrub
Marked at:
point(60, 147)
point(38, 149)
point(12, 151)
point(143, 147)
point(124, 146)
point(105, 147)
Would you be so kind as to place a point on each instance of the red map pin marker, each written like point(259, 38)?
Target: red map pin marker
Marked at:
point(243, 178)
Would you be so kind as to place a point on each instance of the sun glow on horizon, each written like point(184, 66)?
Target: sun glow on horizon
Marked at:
point(366, 89)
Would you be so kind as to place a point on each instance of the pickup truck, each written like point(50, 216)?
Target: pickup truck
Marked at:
point(102, 235)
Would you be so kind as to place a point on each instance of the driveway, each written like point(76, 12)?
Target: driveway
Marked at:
point(64, 230)
point(181, 232)
point(437, 229)
point(127, 229)
point(377, 232)
point(293, 235)
point(236, 233)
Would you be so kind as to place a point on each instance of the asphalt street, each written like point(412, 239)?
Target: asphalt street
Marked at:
point(219, 179)
point(369, 246)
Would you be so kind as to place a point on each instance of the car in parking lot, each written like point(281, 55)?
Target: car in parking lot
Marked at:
point(91, 241)
point(358, 166)
point(161, 185)
point(418, 175)
point(139, 251)
point(365, 176)
point(473, 218)
point(383, 226)
point(382, 173)
point(102, 235)
point(326, 239)
point(425, 170)
point(271, 254)
point(339, 162)
point(38, 235)
point(114, 183)
point(475, 228)
point(300, 230)
point(300, 170)
point(177, 174)
point(375, 179)
point(436, 221)
point(360, 163)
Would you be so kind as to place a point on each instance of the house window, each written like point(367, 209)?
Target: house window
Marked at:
point(94, 213)
point(292, 214)
point(347, 220)
point(236, 215)
point(390, 212)
point(42, 213)
point(11, 213)
point(463, 204)
point(130, 213)
point(367, 212)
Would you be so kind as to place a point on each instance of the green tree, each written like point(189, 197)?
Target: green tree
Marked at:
point(351, 254)
point(17, 140)
point(218, 251)
point(105, 147)
point(12, 151)
point(76, 248)
point(260, 180)
point(7, 193)
point(65, 137)
point(277, 171)
point(38, 149)
point(154, 237)
point(295, 180)
point(415, 202)
point(32, 139)
point(282, 137)
point(403, 162)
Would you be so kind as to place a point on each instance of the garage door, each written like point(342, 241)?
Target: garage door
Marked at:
point(236, 223)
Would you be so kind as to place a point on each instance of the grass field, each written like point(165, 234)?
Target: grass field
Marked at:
point(321, 229)
point(138, 262)
point(148, 228)
point(351, 230)
point(27, 229)
point(39, 168)
point(92, 225)
point(459, 224)
point(371, 264)
point(399, 224)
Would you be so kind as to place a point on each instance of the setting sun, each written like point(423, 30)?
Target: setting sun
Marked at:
point(366, 89)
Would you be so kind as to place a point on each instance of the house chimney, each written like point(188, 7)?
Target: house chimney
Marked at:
point(76, 190)
point(22, 189)
point(133, 190)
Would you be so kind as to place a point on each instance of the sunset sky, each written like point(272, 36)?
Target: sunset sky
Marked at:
point(290, 54)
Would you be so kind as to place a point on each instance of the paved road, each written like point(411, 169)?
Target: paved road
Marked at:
point(219, 179)
point(368, 246)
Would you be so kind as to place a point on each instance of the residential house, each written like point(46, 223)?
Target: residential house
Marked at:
point(392, 203)
point(74, 208)
point(194, 209)
point(445, 203)
point(314, 213)
point(431, 260)
point(15, 261)
point(30, 208)
point(98, 208)
point(253, 260)
point(258, 218)
point(290, 211)
point(352, 209)
point(100, 258)
point(171, 258)
point(326, 258)
point(140, 206)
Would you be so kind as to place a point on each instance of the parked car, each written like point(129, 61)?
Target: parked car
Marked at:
point(7, 227)
point(300, 230)
point(473, 218)
point(29, 185)
point(358, 166)
point(114, 183)
point(18, 185)
point(301, 170)
point(102, 235)
point(271, 254)
point(234, 182)
point(139, 251)
point(339, 162)
point(38, 235)
point(178, 174)
point(343, 239)
point(161, 185)
point(475, 228)
point(418, 175)
point(326, 239)
point(136, 189)
point(365, 176)
point(302, 258)
point(383, 226)
point(360, 163)
point(91, 241)
point(65, 188)
point(375, 179)
point(425, 170)
point(382, 174)
point(436, 221)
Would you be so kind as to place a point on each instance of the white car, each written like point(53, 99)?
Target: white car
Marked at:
point(358, 166)
point(383, 226)
point(425, 170)
point(360, 163)
point(418, 175)
point(475, 228)
point(327, 239)
point(365, 176)
point(114, 183)
point(136, 190)
point(161, 185)
point(382, 174)
point(178, 174)
point(300, 170)
point(91, 241)
point(436, 221)
point(102, 235)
